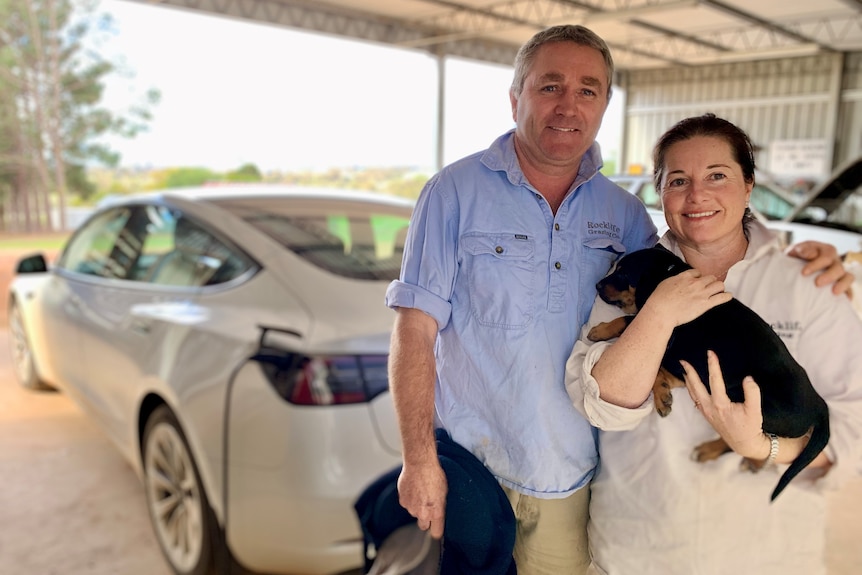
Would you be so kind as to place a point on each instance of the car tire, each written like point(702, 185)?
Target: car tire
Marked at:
point(184, 524)
point(22, 352)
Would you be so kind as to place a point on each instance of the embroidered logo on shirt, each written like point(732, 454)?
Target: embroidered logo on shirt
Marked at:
point(603, 228)
point(520, 237)
point(786, 330)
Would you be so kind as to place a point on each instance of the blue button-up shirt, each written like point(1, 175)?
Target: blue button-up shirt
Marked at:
point(510, 284)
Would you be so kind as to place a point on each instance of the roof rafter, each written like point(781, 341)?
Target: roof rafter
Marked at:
point(757, 21)
point(493, 30)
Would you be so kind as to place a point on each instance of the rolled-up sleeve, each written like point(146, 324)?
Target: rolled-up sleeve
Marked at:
point(401, 294)
point(429, 265)
point(582, 387)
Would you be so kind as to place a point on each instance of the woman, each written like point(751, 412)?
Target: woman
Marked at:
point(653, 509)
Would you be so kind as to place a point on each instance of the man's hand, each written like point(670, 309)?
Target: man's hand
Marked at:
point(422, 483)
point(824, 258)
point(422, 492)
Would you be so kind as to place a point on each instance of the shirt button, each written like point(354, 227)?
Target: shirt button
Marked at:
point(499, 249)
point(557, 227)
point(558, 265)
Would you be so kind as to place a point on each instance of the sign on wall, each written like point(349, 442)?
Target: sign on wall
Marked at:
point(799, 158)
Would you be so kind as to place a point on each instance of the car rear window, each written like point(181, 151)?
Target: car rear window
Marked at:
point(351, 239)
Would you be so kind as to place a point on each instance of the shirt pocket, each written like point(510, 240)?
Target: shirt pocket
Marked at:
point(598, 254)
point(501, 272)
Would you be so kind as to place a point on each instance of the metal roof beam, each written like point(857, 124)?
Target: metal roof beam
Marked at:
point(752, 19)
point(463, 8)
point(854, 4)
point(326, 19)
point(462, 27)
point(458, 29)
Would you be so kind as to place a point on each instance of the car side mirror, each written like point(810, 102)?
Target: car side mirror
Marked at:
point(32, 265)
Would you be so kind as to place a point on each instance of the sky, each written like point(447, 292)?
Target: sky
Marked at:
point(235, 92)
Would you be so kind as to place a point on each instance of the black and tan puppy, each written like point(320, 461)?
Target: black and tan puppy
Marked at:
point(745, 345)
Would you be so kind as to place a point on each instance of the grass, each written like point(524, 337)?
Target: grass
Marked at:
point(34, 242)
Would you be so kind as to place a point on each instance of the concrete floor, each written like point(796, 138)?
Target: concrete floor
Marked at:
point(70, 505)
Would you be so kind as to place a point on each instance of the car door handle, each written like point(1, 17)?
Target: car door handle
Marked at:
point(74, 301)
point(140, 327)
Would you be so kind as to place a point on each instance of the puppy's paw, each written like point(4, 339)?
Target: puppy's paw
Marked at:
point(607, 330)
point(664, 383)
point(599, 333)
point(663, 398)
point(751, 465)
point(709, 450)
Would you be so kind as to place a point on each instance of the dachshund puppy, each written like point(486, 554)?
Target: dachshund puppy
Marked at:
point(743, 342)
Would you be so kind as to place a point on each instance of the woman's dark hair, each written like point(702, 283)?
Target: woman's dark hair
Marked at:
point(706, 125)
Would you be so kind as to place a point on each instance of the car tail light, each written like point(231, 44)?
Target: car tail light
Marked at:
point(324, 380)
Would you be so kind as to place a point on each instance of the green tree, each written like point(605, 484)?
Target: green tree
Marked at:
point(245, 173)
point(408, 186)
point(51, 86)
point(185, 177)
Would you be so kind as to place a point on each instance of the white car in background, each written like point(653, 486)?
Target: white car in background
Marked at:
point(233, 344)
point(831, 212)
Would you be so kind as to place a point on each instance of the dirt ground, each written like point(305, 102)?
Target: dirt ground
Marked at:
point(71, 505)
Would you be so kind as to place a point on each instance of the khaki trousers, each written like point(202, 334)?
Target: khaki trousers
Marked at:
point(551, 534)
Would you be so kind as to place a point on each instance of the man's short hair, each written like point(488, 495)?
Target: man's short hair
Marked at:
point(564, 33)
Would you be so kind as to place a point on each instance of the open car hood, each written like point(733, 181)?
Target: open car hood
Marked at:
point(830, 195)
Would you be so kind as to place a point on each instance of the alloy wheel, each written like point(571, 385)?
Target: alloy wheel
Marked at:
point(174, 495)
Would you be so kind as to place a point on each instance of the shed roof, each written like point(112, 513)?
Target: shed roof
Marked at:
point(641, 33)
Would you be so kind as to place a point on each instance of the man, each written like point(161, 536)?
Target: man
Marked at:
point(503, 253)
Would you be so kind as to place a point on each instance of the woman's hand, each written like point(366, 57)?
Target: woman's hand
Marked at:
point(824, 258)
point(739, 424)
point(686, 296)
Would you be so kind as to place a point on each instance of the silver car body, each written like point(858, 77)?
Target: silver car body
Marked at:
point(280, 478)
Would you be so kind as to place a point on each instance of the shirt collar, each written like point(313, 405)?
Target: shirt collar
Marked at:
point(501, 157)
point(761, 242)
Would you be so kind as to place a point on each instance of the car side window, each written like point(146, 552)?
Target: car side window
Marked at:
point(183, 253)
point(769, 203)
point(154, 244)
point(158, 240)
point(102, 247)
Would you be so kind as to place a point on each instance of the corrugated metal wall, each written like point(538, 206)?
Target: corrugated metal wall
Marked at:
point(816, 97)
point(850, 115)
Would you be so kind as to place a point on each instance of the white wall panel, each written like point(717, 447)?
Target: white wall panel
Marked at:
point(815, 97)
